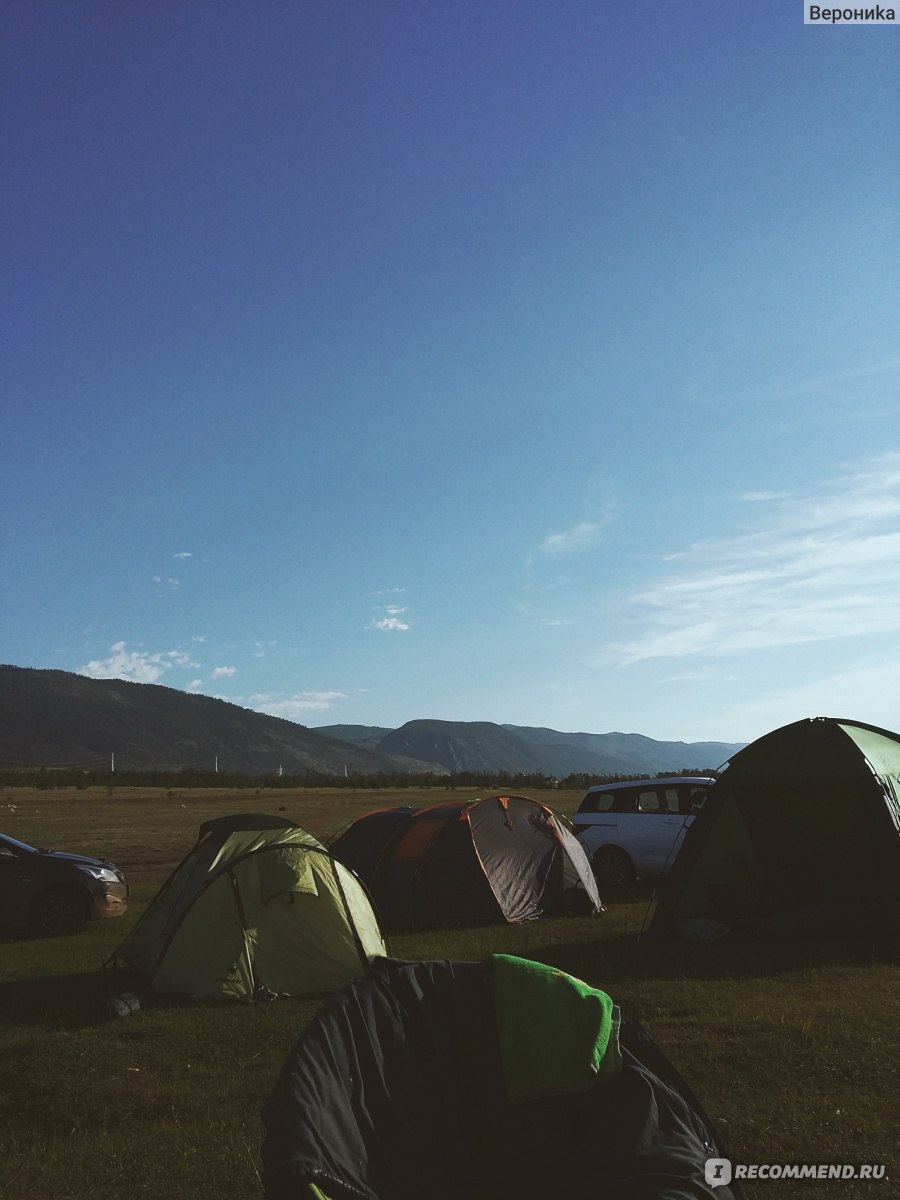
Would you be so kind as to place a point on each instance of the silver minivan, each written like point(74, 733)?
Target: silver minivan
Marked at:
point(637, 827)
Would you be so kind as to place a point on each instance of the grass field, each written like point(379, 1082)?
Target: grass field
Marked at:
point(791, 1046)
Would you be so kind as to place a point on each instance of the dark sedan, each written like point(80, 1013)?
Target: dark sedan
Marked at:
point(52, 893)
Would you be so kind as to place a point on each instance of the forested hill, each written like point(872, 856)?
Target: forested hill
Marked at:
point(53, 718)
point(56, 718)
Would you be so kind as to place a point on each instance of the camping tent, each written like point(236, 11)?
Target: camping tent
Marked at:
point(482, 1080)
point(801, 831)
point(505, 858)
point(258, 908)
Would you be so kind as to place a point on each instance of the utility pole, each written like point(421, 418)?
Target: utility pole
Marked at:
point(112, 763)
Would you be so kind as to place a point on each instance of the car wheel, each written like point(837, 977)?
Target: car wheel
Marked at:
point(613, 867)
point(58, 913)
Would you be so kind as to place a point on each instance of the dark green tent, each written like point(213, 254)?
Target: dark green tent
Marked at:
point(801, 832)
point(481, 1081)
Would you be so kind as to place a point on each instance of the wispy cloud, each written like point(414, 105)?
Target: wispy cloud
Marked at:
point(814, 567)
point(222, 672)
point(866, 692)
point(763, 497)
point(393, 619)
point(294, 707)
point(168, 583)
point(183, 554)
point(571, 540)
point(844, 385)
point(136, 665)
point(864, 393)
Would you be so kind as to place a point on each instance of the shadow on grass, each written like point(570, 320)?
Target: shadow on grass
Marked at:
point(629, 958)
point(617, 957)
point(69, 1001)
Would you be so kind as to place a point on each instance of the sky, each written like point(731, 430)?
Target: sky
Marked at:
point(373, 360)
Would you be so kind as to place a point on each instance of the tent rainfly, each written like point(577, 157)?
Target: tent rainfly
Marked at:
point(801, 832)
point(504, 858)
point(257, 909)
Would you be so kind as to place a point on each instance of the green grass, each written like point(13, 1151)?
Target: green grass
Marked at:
point(791, 1045)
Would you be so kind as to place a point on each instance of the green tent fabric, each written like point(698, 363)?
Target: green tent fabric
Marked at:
point(255, 912)
point(801, 832)
point(556, 1033)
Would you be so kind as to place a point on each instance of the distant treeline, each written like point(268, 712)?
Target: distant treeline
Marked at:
point(49, 778)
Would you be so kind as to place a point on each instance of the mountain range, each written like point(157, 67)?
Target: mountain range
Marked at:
point(480, 746)
point(57, 718)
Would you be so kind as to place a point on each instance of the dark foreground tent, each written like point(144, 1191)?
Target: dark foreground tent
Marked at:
point(258, 908)
point(801, 832)
point(483, 1080)
point(505, 858)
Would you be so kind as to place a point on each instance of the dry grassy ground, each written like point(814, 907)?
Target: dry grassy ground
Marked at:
point(792, 1046)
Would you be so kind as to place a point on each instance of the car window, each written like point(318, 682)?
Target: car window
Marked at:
point(598, 802)
point(690, 799)
point(651, 801)
point(14, 846)
point(671, 798)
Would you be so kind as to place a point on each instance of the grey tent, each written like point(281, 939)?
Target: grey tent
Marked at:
point(482, 1080)
point(258, 908)
point(801, 832)
point(504, 858)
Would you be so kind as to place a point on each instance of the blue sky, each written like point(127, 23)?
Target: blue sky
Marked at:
point(521, 362)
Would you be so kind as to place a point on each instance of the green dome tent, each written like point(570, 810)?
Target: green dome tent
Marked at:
point(258, 908)
point(801, 832)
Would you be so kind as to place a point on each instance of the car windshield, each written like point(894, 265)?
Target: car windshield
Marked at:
point(15, 844)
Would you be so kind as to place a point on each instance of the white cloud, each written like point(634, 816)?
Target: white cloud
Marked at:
point(223, 672)
point(169, 583)
point(183, 554)
point(820, 566)
point(295, 707)
point(389, 623)
point(393, 618)
point(572, 540)
point(136, 665)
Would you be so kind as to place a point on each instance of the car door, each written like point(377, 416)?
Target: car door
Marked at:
point(690, 801)
point(649, 833)
point(595, 821)
point(16, 886)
